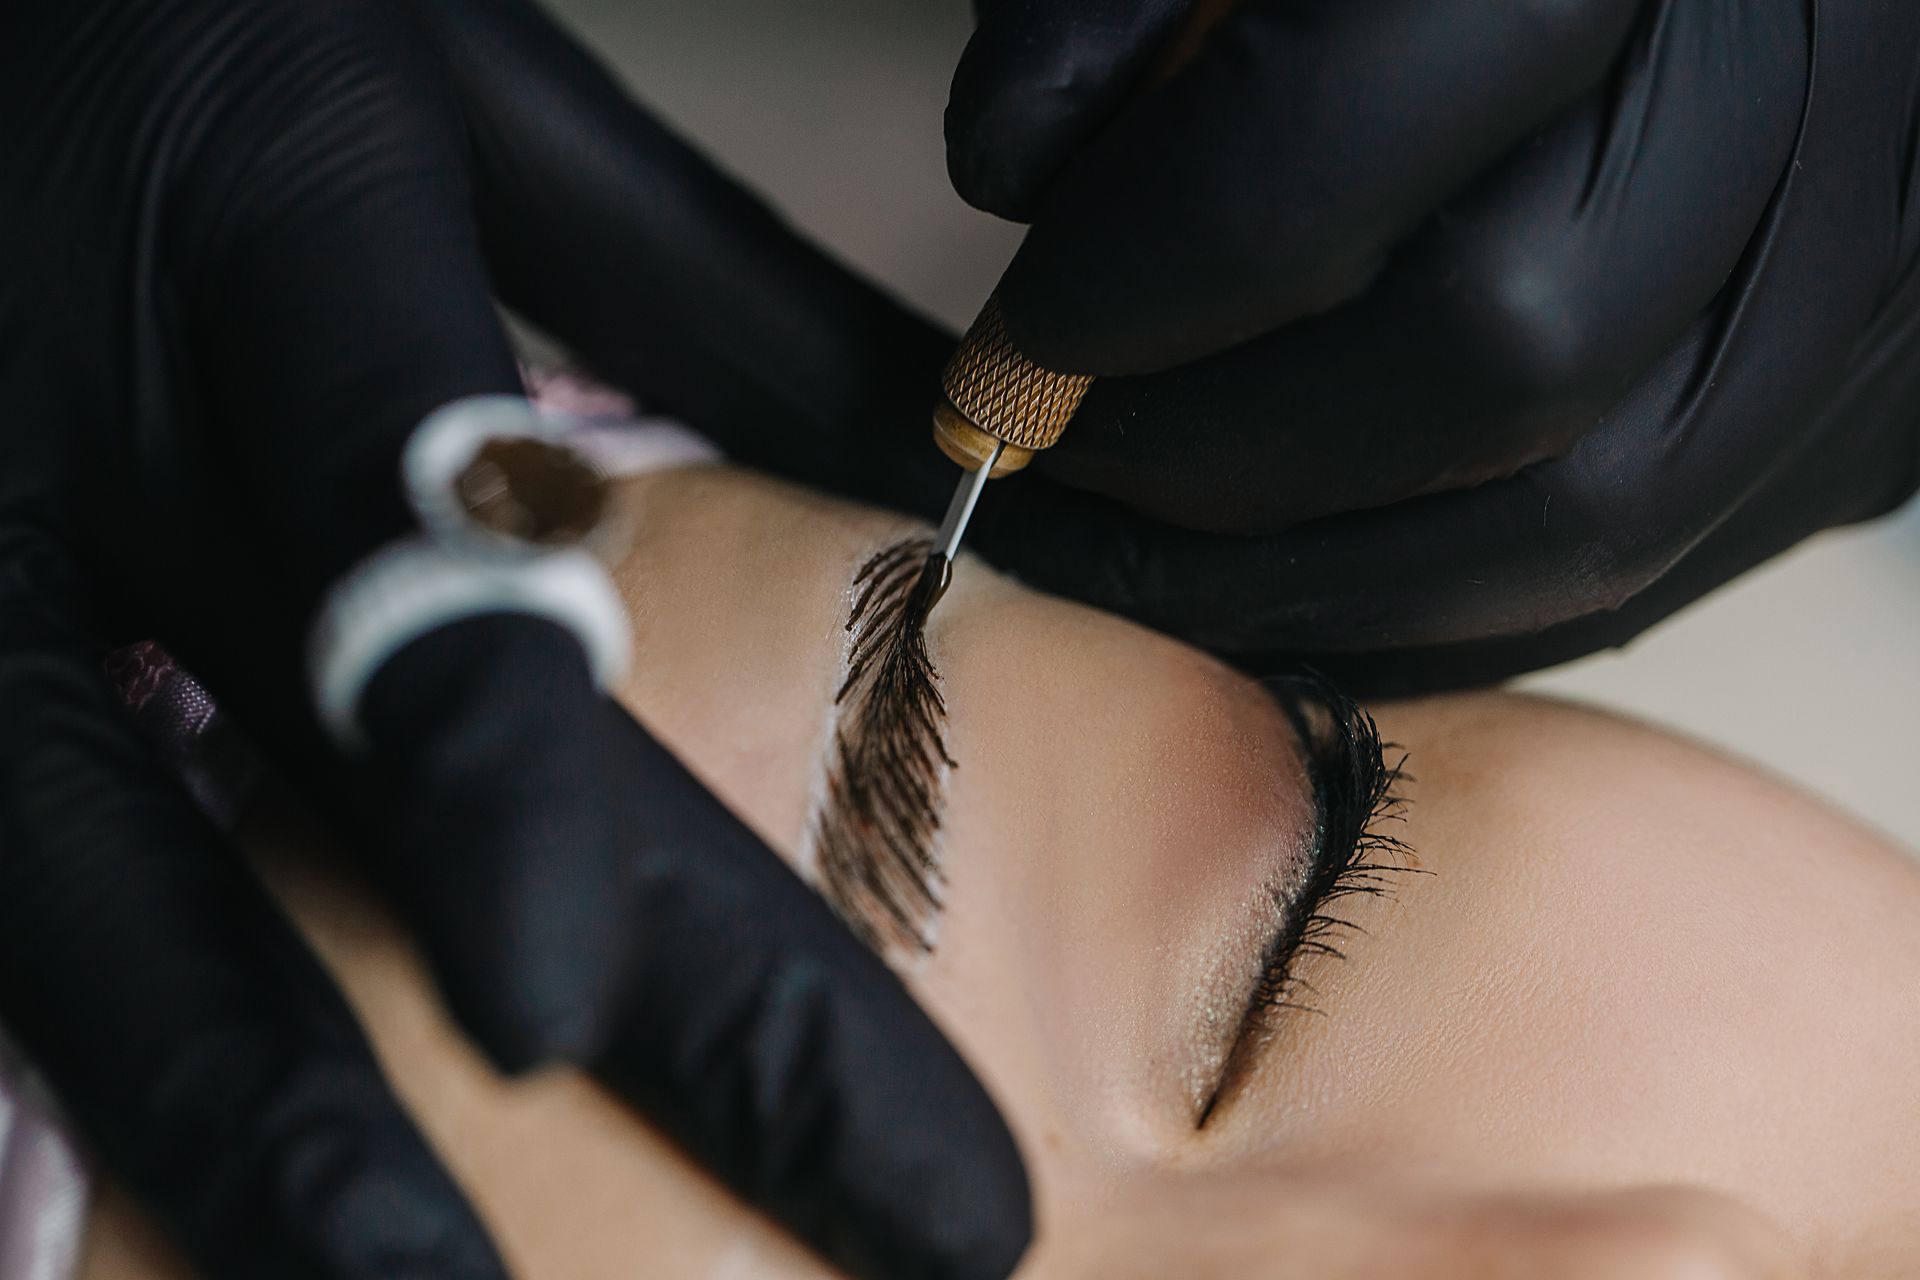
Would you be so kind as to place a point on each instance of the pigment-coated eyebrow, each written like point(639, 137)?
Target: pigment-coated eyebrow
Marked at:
point(875, 827)
point(1354, 796)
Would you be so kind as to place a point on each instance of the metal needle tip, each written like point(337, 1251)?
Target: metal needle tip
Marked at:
point(946, 543)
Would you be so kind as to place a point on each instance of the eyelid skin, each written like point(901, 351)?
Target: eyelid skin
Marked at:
point(1354, 799)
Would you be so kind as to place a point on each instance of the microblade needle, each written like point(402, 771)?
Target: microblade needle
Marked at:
point(946, 543)
point(998, 405)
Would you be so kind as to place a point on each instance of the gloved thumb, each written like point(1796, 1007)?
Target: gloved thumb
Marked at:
point(1037, 80)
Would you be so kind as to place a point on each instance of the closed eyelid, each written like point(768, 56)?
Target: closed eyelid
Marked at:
point(1353, 854)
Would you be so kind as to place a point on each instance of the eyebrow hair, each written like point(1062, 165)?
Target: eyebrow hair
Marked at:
point(875, 826)
point(1354, 797)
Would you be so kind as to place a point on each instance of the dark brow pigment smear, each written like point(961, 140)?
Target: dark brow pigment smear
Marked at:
point(874, 832)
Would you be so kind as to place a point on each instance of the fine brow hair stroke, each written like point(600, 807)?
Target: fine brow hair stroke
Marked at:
point(875, 830)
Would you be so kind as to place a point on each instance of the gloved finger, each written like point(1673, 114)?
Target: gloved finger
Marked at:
point(1815, 484)
point(1036, 81)
point(801, 1070)
point(322, 226)
point(608, 231)
point(187, 1030)
point(1749, 537)
point(1751, 414)
point(591, 901)
point(1507, 327)
point(1580, 535)
point(1269, 178)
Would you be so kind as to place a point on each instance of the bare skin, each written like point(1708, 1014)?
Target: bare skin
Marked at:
point(1651, 1014)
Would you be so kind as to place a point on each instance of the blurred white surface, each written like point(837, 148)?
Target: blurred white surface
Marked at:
point(1810, 666)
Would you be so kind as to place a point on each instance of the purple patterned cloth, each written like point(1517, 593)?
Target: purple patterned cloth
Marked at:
point(218, 767)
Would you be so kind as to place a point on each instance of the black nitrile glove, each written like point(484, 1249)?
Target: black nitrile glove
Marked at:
point(1449, 338)
point(653, 938)
point(245, 247)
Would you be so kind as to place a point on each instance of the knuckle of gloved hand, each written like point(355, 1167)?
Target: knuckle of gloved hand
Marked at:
point(1522, 318)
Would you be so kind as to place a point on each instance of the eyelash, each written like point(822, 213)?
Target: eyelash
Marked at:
point(1357, 796)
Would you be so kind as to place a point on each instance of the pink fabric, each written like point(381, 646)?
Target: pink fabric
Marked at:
point(604, 424)
point(576, 394)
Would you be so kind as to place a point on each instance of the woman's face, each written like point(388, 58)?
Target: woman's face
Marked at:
point(1612, 959)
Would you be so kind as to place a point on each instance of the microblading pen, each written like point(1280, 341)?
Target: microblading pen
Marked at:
point(997, 408)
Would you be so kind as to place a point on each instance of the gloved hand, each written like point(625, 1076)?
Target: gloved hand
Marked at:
point(1449, 340)
point(247, 246)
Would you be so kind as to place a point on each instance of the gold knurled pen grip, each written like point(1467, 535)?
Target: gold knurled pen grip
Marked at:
point(993, 394)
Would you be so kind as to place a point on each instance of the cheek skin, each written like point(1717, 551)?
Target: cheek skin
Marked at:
point(1608, 982)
